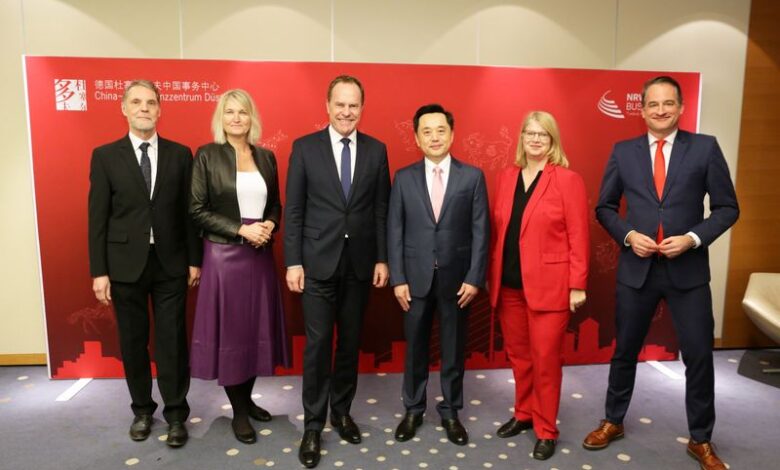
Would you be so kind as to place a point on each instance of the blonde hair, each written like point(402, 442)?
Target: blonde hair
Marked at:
point(556, 155)
point(245, 101)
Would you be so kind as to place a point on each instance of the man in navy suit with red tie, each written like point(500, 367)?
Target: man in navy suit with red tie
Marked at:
point(664, 177)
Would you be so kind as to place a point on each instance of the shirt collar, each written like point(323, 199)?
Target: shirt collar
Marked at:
point(335, 137)
point(669, 139)
point(444, 164)
point(136, 141)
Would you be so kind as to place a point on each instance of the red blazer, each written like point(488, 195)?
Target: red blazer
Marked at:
point(554, 240)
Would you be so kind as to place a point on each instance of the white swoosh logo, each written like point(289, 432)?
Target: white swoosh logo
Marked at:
point(609, 107)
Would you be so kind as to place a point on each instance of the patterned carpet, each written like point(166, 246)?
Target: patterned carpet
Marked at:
point(89, 431)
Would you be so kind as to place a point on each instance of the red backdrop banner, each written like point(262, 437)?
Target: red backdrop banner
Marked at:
point(74, 106)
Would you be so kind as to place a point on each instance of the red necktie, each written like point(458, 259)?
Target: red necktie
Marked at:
point(659, 177)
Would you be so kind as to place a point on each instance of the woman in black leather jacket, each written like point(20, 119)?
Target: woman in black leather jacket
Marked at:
point(239, 330)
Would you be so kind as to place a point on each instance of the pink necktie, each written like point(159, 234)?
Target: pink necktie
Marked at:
point(437, 192)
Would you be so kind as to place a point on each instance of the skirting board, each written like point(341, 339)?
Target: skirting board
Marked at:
point(23, 359)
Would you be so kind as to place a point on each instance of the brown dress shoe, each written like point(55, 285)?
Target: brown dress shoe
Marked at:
point(600, 437)
point(705, 454)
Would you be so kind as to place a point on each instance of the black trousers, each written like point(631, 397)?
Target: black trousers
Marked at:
point(336, 302)
point(418, 322)
point(131, 304)
point(691, 311)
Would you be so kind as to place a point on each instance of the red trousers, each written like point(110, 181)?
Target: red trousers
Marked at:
point(533, 341)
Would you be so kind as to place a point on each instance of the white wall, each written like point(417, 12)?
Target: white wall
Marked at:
point(708, 36)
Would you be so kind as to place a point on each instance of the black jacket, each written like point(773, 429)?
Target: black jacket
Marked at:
point(121, 213)
point(318, 216)
point(213, 199)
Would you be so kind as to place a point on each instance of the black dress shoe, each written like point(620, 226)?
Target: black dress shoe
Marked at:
point(141, 427)
point(544, 449)
point(243, 430)
point(456, 433)
point(346, 428)
point(177, 434)
point(513, 428)
point(258, 413)
point(309, 453)
point(408, 426)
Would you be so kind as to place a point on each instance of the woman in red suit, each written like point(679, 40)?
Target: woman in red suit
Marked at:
point(538, 272)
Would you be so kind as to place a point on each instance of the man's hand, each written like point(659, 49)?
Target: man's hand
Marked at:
point(101, 286)
point(403, 296)
point(673, 247)
point(381, 274)
point(466, 293)
point(642, 245)
point(193, 277)
point(577, 299)
point(295, 279)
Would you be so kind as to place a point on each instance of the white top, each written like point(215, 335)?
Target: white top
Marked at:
point(445, 172)
point(335, 142)
point(152, 152)
point(252, 194)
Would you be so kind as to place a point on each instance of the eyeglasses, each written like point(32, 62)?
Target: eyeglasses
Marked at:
point(533, 135)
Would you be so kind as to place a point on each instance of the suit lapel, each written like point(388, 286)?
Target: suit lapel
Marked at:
point(329, 164)
point(452, 185)
point(163, 162)
point(127, 155)
point(644, 163)
point(361, 165)
point(422, 187)
point(263, 165)
point(508, 192)
point(536, 196)
point(679, 148)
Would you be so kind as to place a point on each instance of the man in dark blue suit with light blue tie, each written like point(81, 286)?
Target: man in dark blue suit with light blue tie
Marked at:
point(664, 177)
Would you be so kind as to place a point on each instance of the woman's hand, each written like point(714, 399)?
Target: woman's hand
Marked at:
point(577, 299)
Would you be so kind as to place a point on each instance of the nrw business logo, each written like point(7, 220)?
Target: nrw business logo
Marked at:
point(70, 94)
point(609, 107)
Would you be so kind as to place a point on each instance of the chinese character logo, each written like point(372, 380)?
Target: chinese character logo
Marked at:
point(70, 94)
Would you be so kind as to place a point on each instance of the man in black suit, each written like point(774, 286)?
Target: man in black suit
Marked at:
point(338, 184)
point(438, 233)
point(142, 245)
point(664, 176)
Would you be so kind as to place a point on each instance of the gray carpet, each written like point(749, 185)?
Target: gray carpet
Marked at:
point(90, 430)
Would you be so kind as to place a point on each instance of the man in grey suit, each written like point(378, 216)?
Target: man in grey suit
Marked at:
point(338, 184)
point(438, 233)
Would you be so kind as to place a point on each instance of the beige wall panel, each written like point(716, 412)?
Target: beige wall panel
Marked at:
point(555, 33)
point(20, 289)
point(141, 28)
point(406, 31)
point(707, 36)
point(252, 30)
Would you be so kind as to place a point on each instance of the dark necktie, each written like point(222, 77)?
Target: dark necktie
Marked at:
point(346, 167)
point(659, 178)
point(146, 166)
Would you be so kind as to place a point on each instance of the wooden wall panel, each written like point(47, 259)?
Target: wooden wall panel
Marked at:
point(755, 239)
